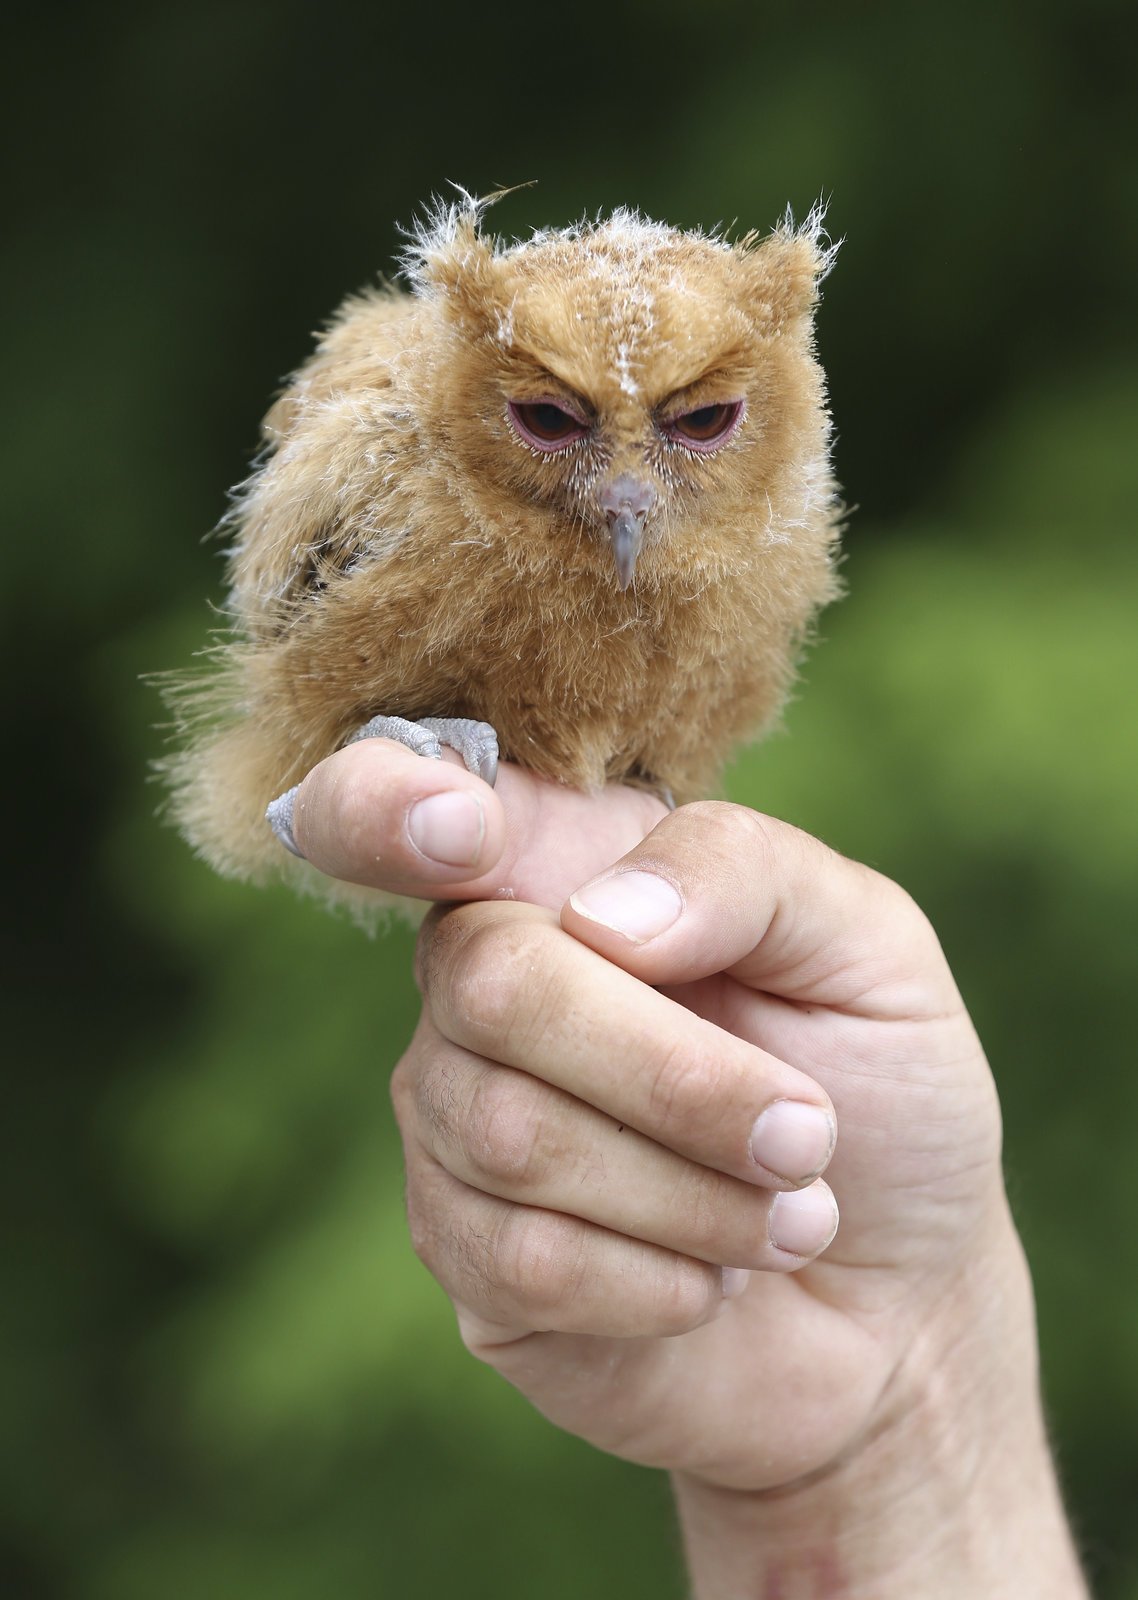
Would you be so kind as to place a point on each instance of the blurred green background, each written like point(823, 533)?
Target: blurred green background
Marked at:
point(225, 1373)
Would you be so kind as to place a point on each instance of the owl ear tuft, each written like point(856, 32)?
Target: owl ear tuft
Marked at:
point(446, 252)
point(788, 266)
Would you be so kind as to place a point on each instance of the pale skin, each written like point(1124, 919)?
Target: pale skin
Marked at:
point(605, 1022)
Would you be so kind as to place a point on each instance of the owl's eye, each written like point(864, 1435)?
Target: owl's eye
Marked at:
point(545, 424)
point(707, 427)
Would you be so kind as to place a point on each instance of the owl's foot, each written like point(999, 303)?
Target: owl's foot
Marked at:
point(476, 743)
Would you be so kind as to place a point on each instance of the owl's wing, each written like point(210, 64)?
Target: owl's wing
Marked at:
point(329, 490)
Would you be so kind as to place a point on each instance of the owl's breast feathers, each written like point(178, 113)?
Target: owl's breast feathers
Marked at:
point(583, 682)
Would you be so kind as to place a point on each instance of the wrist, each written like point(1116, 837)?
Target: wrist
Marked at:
point(949, 1491)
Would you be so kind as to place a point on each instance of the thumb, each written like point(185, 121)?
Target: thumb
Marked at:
point(720, 888)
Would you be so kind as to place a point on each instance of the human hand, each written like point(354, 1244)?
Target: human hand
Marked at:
point(581, 1158)
point(578, 1174)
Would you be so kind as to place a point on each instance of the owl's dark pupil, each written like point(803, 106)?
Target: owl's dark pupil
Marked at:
point(705, 422)
point(550, 422)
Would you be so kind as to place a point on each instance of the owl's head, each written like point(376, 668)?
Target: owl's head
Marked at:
point(626, 382)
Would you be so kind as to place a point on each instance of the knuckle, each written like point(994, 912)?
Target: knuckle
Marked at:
point(485, 976)
point(443, 931)
point(682, 1294)
point(544, 1261)
point(687, 1090)
point(502, 1135)
point(734, 831)
point(497, 983)
point(715, 838)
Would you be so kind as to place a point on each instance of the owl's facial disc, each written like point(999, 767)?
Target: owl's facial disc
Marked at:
point(626, 502)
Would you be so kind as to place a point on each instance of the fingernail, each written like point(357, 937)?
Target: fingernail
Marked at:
point(803, 1221)
point(793, 1140)
point(448, 828)
point(638, 905)
point(735, 1280)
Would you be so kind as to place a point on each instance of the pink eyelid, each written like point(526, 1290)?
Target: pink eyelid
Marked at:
point(550, 446)
point(737, 409)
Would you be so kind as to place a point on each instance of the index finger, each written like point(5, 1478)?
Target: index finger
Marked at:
point(507, 984)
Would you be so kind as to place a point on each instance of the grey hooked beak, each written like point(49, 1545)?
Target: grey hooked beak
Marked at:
point(626, 502)
point(626, 533)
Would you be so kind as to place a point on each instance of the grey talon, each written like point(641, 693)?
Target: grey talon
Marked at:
point(279, 816)
point(476, 743)
point(417, 736)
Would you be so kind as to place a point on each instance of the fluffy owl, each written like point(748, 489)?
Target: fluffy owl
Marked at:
point(573, 492)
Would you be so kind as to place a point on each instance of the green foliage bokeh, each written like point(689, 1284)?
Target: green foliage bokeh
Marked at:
point(226, 1373)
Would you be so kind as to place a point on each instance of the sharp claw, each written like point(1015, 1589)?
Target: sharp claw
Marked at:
point(279, 817)
point(475, 742)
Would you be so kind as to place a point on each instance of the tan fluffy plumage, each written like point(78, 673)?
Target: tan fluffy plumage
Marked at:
point(408, 547)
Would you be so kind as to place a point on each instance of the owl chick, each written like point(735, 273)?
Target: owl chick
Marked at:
point(573, 492)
